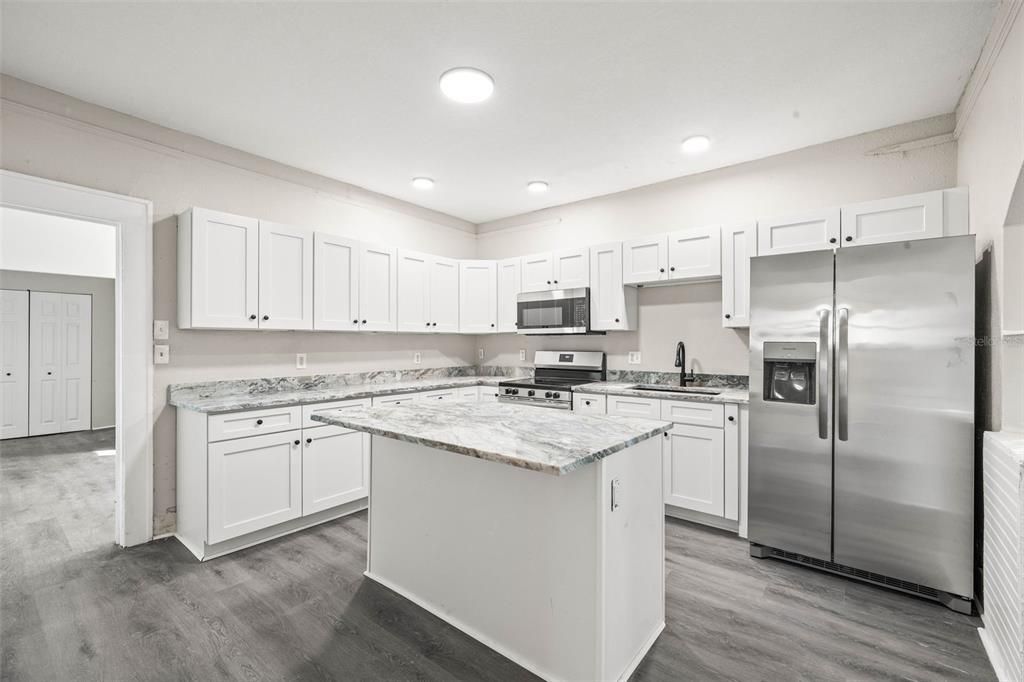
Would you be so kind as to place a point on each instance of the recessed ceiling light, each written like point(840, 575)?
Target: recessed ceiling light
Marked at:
point(537, 186)
point(422, 183)
point(696, 144)
point(466, 84)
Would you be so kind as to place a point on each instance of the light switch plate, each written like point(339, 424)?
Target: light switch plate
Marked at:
point(417, 358)
point(300, 361)
point(634, 357)
point(522, 353)
point(161, 354)
point(160, 330)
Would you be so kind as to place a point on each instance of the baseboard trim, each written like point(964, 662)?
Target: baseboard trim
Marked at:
point(100, 428)
point(701, 518)
point(995, 657)
point(642, 653)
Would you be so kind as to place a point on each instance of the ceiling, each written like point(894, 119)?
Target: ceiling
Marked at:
point(593, 98)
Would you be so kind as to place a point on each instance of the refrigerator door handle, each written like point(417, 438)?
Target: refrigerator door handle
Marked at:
point(824, 352)
point(842, 374)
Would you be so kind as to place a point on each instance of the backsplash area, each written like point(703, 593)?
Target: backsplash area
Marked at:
point(672, 378)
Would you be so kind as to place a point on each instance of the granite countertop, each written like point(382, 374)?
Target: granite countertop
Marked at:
point(234, 399)
point(529, 437)
point(727, 395)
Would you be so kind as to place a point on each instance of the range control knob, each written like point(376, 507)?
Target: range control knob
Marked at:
point(508, 391)
point(556, 395)
point(530, 393)
point(547, 394)
point(515, 391)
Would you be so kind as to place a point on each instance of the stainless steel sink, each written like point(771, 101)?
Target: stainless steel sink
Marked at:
point(676, 389)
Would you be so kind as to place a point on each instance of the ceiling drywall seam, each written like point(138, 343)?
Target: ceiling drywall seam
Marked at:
point(35, 100)
point(1006, 15)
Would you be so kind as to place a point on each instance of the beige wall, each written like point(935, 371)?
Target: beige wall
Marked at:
point(991, 157)
point(102, 291)
point(829, 174)
point(57, 137)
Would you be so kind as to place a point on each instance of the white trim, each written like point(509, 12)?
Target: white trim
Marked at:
point(1006, 15)
point(900, 147)
point(994, 657)
point(100, 428)
point(133, 320)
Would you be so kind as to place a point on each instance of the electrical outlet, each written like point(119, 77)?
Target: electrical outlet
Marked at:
point(300, 361)
point(634, 357)
point(161, 355)
point(160, 330)
point(480, 354)
point(417, 358)
point(522, 353)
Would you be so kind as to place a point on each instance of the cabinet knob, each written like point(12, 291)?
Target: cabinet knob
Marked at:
point(586, 402)
point(492, 324)
point(672, 269)
point(364, 321)
point(49, 374)
point(728, 316)
point(732, 419)
point(252, 317)
point(310, 440)
point(428, 324)
point(832, 240)
point(259, 422)
point(266, 317)
point(549, 281)
point(661, 269)
point(666, 434)
point(616, 319)
point(297, 442)
point(556, 281)
point(355, 321)
point(849, 239)
point(434, 324)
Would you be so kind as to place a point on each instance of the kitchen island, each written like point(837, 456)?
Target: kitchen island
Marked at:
point(537, 532)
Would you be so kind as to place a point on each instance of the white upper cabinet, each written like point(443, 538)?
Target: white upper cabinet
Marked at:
point(571, 268)
point(444, 295)
point(413, 291)
point(613, 306)
point(538, 272)
point(739, 243)
point(510, 283)
point(218, 264)
point(811, 231)
point(378, 288)
point(478, 296)
point(335, 283)
point(916, 216)
point(645, 260)
point(286, 277)
point(695, 253)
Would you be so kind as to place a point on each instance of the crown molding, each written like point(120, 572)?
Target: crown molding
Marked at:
point(1006, 16)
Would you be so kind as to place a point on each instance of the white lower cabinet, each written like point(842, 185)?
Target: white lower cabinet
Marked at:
point(588, 403)
point(629, 406)
point(335, 467)
point(694, 474)
point(254, 483)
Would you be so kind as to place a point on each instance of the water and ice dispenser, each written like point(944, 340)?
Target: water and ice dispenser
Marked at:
point(789, 371)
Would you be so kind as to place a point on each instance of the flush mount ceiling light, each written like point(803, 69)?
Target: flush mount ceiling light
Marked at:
point(696, 144)
point(466, 85)
point(423, 183)
point(537, 186)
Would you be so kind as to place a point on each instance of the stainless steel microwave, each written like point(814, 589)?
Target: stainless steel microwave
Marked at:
point(562, 311)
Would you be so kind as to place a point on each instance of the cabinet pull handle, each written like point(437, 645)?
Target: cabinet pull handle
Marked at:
point(259, 422)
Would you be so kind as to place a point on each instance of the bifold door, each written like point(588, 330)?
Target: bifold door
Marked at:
point(60, 362)
point(13, 363)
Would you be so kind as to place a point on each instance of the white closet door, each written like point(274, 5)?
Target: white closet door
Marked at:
point(13, 364)
point(335, 283)
point(444, 295)
point(76, 362)
point(44, 413)
point(286, 277)
point(413, 291)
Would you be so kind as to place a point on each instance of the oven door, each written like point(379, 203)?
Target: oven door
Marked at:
point(563, 311)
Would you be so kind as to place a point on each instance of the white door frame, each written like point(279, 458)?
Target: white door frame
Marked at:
point(133, 321)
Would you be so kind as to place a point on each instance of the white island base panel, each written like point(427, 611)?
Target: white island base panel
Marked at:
point(538, 567)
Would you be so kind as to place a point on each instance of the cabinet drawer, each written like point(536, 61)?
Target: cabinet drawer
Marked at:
point(697, 414)
point(588, 403)
point(625, 406)
point(469, 395)
point(403, 399)
point(449, 395)
point(309, 410)
point(253, 423)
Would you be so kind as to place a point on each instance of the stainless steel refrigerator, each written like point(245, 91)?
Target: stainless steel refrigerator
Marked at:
point(862, 413)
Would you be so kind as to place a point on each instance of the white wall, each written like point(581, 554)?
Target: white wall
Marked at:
point(38, 242)
point(102, 291)
point(53, 136)
point(829, 174)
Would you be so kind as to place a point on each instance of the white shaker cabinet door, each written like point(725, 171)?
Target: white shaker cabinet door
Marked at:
point(253, 483)
point(444, 295)
point(378, 288)
point(335, 467)
point(13, 363)
point(645, 259)
point(413, 291)
point(695, 253)
point(538, 272)
point(613, 306)
point(811, 231)
point(571, 268)
point(335, 283)
point(694, 475)
point(738, 245)
point(478, 297)
point(45, 412)
point(286, 277)
point(916, 216)
point(76, 362)
point(510, 283)
point(218, 270)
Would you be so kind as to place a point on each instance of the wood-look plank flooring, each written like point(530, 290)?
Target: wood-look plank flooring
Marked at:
point(72, 606)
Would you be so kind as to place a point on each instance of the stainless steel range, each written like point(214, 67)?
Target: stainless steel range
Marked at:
point(556, 372)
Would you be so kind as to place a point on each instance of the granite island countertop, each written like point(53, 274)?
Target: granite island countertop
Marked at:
point(529, 437)
point(739, 396)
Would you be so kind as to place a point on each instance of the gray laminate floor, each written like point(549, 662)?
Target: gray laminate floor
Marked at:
point(74, 607)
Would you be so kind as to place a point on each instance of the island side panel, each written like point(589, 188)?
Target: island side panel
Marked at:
point(505, 554)
point(632, 557)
